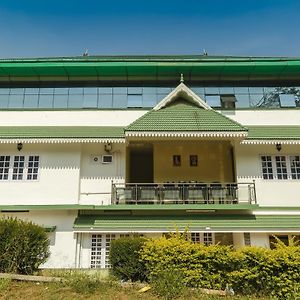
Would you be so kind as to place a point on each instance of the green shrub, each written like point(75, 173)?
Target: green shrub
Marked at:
point(83, 283)
point(249, 270)
point(125, 258)
point(169, 284)
point(23, 246)
point(4, 285)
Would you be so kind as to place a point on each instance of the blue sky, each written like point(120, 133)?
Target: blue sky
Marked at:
point(31, 28)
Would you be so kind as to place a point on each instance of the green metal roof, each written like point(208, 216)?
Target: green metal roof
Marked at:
point(60, 132)
point(194, 222)
point(183, 116)
point(194, 67)
point(273, 132)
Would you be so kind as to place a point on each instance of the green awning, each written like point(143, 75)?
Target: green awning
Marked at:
point(273, 132)
point(199, 222)
point(126, 68)
point(65, 132)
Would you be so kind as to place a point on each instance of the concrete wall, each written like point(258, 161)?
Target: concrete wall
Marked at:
point(62, 240)
point(270, 192)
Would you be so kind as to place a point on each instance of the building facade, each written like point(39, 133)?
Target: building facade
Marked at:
point(95, 148)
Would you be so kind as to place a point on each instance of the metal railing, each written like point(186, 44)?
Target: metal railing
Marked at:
point(183, 193)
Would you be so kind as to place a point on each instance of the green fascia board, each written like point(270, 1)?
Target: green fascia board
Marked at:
point(155, 67)
point(273, 132)
point(184, 117)
point(49, 228)
point(12, 132)
point(16, 208)
point(193, 222)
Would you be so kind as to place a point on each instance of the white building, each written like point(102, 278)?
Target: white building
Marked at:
point(93, 148)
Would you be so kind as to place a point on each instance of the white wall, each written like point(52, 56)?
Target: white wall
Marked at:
point(70, 118)
point(96, 178)
point(58, 181)
point(269, 192)
point(62, 241)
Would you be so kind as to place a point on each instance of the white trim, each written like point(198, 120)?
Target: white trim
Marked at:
point(186, 93)
point(214, 134)
point(271, 142)
point(59, 140)
point(191, 230)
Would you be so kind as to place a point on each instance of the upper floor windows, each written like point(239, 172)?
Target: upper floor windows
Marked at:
point(19, 167)
point(280, 167)
point(147, 97)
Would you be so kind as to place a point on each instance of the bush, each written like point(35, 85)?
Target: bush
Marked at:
point(125, 258)
point(23, 246)
point(249, 270)
point(83, 283)
point(169, 284)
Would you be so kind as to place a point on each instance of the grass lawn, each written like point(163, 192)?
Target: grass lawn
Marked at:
point(64, 291)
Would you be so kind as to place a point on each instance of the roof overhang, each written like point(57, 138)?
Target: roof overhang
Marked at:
point(270, 142)
point(59, 140)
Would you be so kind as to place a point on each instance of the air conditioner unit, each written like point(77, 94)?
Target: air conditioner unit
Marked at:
point(96, 159)
point(107, 159)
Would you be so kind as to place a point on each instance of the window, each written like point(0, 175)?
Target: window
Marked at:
point(287, 100)
point(267, 168)
point(206, 238)
point(280, 167)
point(228, 101)
point(33, 167)
point(213, 100)
point(247, 239)
point(4, 167)
point(295, 167)
point(96, 251)
point(20, 167)
point(109, 238)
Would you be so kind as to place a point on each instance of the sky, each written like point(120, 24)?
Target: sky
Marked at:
point(43, 28)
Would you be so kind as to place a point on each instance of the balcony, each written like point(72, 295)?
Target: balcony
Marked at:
point(183, 193)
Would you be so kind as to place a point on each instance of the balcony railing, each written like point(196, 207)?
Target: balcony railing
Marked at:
point(183, 193)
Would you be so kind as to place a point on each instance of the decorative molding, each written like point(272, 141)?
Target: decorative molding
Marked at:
point(270, 142)
point(182, 91)
point(59, 140)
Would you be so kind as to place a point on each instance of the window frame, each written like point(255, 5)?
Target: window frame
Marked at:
point(287, 158)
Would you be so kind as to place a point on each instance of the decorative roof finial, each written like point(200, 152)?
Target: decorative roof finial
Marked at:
point(181, 78)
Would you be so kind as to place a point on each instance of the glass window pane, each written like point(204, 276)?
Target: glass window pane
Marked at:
point(17, 91)
point(226, 90)
point(198, 90)
point(257, 100)
point(16, 101)
point(31, 101)
point(60, 101)
point(105, 90)
point(46, 101)
point(212, 90)
point(256, 90)
point(75, 101)
point(164, 90)
point(134, 91)
point(46, 91)
point(149, 100)
point(120, 91)
point(242, 100)
point(149, 90)
point(135, 101)
point(61, 91)
point(213, 101)
point(4, 91)
point(119, 101)
point(241, 90)
point(32, 91)
point(287, 100)
point(90, 91)
point(90, 100)
point(76, 91)
point(105, 101)
point(4, 101)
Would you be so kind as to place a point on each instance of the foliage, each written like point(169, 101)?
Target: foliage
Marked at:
point(249, 270)
point(169, 284)
point(81, 282)
point(125, 259)
point(24, 246)
point(4, 285)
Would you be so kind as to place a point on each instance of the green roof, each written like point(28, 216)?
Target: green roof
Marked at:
point(166, 67)
point(273, 132)
point(24, 132)
point(194, 222)
point(183, 116)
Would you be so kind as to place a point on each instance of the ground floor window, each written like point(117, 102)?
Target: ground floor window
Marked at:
point(206, 238)
point(285, 238)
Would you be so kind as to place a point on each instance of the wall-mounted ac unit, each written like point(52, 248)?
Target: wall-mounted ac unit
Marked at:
point(107, 159)
point(96, 159)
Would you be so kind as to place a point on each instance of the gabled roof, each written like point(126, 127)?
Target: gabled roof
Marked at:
point(184, 112)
